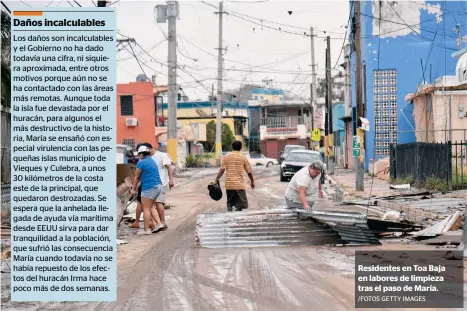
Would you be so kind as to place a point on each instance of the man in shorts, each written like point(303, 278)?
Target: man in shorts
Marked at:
point(163, 162)
point(235, 164)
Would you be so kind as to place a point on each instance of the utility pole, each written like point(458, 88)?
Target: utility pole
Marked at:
point(329, 107)
point(314, 96)
point(212, 100)
point(359, 185)
point(172, 141)
point(219, 90)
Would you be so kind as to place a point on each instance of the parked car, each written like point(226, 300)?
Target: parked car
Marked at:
point(260, 159)
point(296, 160)
point(125, 155)
point(289, 148)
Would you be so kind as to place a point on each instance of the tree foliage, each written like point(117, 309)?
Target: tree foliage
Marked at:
point(227, 137)
point(337, 88)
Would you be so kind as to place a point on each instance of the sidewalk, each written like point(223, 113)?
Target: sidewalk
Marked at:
point(347, 180)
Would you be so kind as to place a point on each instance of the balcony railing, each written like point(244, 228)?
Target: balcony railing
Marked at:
point(285, 125)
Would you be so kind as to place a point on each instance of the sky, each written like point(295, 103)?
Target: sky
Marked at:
point(263, 40)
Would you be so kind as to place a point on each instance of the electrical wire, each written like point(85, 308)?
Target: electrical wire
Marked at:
point(77, 3)
point(271, 22)
point(5, 6)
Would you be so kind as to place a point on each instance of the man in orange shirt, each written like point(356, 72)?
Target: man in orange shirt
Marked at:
point(234, 164)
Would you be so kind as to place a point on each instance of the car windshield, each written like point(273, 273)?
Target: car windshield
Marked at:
point(303, 157)
point(288, 149)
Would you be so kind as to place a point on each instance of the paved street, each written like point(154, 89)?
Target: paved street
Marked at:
point(166, 271)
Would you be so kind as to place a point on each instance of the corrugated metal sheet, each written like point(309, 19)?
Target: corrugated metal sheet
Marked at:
point(349, 218)
point(261, 229)
point(351, 227)
point(356, 234)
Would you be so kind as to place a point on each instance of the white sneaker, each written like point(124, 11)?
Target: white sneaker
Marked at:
point(158, 228)
point(142, 232)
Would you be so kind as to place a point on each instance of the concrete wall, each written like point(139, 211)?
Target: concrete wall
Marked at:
point(272, 148)
point(205, 108)
point(433, 121)
point(267, 94)
point(392, 45)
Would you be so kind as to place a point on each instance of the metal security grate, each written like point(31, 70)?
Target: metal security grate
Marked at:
point(130, 142)
point(126, 105)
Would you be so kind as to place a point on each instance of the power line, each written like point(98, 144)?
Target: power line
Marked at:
point(266, 26)
point(77, 3)
point(418, 34)
point(272, 22)
point(5, 6)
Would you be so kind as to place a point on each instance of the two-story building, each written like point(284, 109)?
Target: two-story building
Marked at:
point(284, 123)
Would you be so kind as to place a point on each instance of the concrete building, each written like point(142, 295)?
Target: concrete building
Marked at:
point(403, 44)
point(284, 123)
point(193, 117)
point(136, 113)
point(440, 109)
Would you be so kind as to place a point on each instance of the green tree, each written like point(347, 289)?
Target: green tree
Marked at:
point(227, 137)
point(5, 60)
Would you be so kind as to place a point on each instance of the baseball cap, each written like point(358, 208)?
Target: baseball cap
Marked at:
point(142, 149)
point(144, 144)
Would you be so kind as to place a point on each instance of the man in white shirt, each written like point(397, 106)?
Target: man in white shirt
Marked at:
point(304, 186)
point(163, 162)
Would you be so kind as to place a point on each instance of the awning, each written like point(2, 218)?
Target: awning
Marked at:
point(365, 124)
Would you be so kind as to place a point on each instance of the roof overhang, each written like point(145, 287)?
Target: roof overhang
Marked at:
point(432, 89)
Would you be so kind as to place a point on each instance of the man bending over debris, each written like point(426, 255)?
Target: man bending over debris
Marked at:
point(302, 189)
point(234, 164)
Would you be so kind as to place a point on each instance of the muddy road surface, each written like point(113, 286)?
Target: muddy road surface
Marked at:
point(168, 272)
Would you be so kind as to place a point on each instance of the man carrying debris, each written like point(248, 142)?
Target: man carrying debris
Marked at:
point(234, 164)
point(302, 189)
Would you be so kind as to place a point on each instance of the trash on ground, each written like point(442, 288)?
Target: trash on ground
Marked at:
point(451, 223)
point(120, 242)
point(448, 238)
point(404, 186)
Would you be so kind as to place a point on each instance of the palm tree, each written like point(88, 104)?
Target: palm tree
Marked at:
point(5, 60)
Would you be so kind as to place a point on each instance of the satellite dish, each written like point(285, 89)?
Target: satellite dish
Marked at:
point(142, 78)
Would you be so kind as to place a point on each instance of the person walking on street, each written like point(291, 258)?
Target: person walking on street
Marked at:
point(234, 164)
point(147, 173)
point(304, 186)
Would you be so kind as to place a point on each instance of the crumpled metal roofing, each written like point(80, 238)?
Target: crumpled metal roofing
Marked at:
point(261, 229)
point(282, 227)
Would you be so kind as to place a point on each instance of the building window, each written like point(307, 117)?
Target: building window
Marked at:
point(256, 97)
point(126, 105)
point(261, 98)
point(130, 142)
point(238, 126)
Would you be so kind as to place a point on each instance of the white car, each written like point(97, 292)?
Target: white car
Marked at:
point(260, 159)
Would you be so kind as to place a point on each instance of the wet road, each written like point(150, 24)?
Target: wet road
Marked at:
point(177, 275)
point(167, 271)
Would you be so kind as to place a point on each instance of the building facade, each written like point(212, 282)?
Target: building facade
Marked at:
point(136, 114)
point(440, 109)
point(403, 44)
